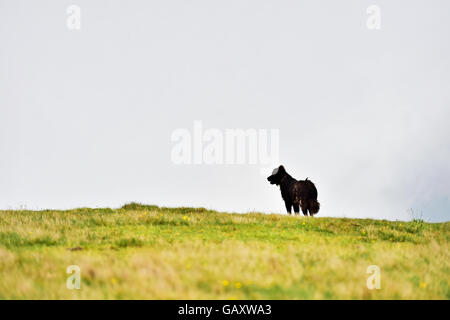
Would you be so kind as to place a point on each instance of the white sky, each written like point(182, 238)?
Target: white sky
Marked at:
point(86, 116)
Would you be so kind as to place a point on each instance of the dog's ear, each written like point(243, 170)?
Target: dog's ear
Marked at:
point(281, 168)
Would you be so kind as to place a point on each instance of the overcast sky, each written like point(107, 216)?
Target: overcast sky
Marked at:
point(86, 116)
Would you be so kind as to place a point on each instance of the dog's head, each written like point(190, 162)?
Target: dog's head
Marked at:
point(277, 175)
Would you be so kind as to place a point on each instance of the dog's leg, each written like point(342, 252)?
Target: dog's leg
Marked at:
point(288, 207)
point(296, 208)
point(304, 209)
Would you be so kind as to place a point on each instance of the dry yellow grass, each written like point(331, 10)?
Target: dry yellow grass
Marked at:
point(146, 252)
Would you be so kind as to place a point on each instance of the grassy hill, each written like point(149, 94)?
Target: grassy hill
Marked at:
point(147, 252)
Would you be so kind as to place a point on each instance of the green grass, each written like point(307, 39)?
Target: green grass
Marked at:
point(147, 252)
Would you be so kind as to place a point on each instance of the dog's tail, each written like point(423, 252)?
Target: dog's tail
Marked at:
point(314, 207)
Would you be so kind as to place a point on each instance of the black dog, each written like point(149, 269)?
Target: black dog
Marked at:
point(302, 193)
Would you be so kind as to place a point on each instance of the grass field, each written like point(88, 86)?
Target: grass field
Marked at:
point(146, 252)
